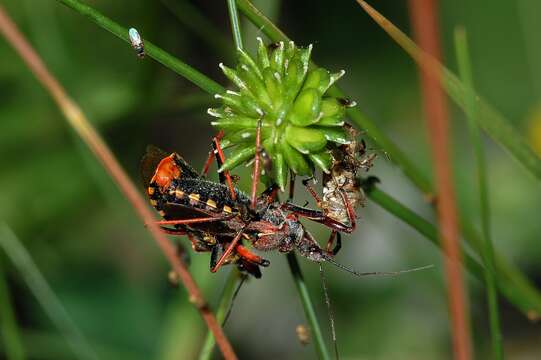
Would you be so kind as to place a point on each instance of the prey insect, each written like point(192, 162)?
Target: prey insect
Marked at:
point(342, 191)
point(137, 42)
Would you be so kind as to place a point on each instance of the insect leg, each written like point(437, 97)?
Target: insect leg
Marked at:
point(219, 156)
point(334, 235)
point(228, 251)
point(170, 231)
point(251, 257)
point(291, 185)
point(317, 216)
point(270, 194)
point(349, 208)
point(306, 183)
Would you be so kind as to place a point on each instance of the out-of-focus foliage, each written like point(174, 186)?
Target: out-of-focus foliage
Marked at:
point(111, 278)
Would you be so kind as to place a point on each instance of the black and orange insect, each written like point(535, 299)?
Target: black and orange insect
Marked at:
point(178, 191)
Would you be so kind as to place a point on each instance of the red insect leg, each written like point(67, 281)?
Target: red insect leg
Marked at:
point(227, 252)
point(312, 191)
point(255, 177)
point(169, 231)
point(317, 216)
point(351, 212)
point(218, 154)
point(251, 257)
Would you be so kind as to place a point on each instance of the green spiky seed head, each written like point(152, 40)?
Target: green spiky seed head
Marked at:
point(299, 121)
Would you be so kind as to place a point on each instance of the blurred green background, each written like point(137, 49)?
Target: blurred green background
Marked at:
point(111, 278)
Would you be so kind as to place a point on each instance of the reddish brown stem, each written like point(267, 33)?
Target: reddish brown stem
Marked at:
point(88, 134)
point(227, 252)
point(424, 16)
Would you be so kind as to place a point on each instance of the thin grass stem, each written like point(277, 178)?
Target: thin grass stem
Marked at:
point(465, 71)
point(235, 24)
point(425, 22)
point(44, 294)
point(308, 307)
point(9, 330)
point(495, 124)
point(78, 121)
point(151, 50)
point(225, 302)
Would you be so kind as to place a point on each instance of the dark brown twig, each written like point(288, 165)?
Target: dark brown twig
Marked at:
point(424, 17)
point(88, 134)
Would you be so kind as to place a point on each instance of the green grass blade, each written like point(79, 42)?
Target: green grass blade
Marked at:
point(9, 330)
point(308, 307)
point(235, 25)
point(225, 302)
point(463, 59)
point(495, 125)
point(511, 283)
point(151, 50)
point(44, 294)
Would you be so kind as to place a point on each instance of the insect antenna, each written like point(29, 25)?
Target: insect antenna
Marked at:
point(329, 310)
point(242, 280)
point(375, 273)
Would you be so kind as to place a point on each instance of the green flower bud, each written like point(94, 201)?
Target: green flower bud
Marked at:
point(306, 108)
point(305, 140)
point(323, 160)
point(283, 92)
point(295, 160)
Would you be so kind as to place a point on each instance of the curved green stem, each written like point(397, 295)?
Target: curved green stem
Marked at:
point(225, 302)
point(9, 330)
point(235, 25)
point(151, 50)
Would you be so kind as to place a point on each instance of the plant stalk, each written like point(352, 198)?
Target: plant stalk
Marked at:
point(308, 307)
point(9, 331)
point(464, 65)
point(226, 298)
point(80, 124)
point(235, 25)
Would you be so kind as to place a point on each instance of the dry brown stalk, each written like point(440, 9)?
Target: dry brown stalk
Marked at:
point(88, 134)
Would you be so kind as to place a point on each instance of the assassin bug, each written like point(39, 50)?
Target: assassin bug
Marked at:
point(137, 42)
point(160, 174)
